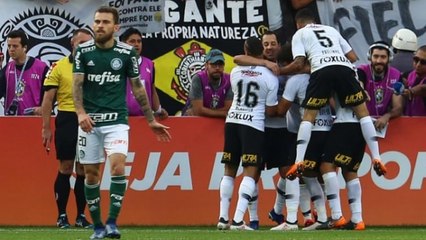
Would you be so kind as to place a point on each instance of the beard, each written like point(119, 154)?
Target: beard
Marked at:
point(101, 39)
point(379, 68)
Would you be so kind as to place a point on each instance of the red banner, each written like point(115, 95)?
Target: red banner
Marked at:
point(177, 183)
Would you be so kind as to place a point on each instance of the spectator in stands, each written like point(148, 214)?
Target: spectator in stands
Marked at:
point(404, 44)
point(416, 83)
point(378, 78)
point(133, 37)
point(58, 86)
point(210, 94)
point(22, 80)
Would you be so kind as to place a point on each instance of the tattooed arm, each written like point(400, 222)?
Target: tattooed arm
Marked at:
point(142, 98)
point(140, 95)
point(84, 120)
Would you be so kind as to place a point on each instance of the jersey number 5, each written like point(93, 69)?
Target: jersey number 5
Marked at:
point(324, 40)
point(251, 97)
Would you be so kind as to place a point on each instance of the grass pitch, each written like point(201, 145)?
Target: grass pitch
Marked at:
point(210, 233)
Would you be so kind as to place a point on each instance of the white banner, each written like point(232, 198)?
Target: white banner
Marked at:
point(147, 16)
point(363, 22)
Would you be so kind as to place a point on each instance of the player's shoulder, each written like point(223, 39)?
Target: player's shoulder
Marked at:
point(88, 46)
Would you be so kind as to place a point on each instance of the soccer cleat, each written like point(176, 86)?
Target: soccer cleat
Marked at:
point(295, 171)
point(317, 226)
point(308, 222)
point(285, 226)
point(354, 226)
point(99, 233)
point(111, 231)
point(254, 224)
point(62, 221)
point(278, 218)
point(339, 223)
point(222, 224)
point(82, 222)
point(379, 167)
point(241, 226)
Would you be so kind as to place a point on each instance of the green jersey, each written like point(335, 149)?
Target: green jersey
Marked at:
point(106, 72)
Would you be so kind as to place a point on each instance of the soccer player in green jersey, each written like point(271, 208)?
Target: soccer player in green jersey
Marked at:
point(101, 69)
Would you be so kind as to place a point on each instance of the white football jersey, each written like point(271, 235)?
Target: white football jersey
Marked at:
point(322, 45)
point(295, 92)
point(254, 88)
point(344, 115)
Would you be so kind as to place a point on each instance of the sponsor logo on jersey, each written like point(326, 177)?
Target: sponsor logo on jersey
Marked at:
point(116, 63)
point(250, 73)
point(316, 102)
point(91, 63)
point(121, 50)
point(88, 49)
point(104, 77)
point(241, 116)
point(354, 98)
point(104, 117)
point(333, 59)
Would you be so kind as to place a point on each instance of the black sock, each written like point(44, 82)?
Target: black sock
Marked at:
point(80, 197)
point(62, 191)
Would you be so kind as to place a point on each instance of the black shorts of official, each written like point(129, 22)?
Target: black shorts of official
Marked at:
point(315, 150)
point(333, 79)
point(345, 146)
point(66, 132)
point(277, 147)
point(242, 143)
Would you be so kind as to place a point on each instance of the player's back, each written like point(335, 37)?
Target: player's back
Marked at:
point(254, 88)
point(322, 45)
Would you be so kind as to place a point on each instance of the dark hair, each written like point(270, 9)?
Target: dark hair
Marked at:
point(129, 32)
point(253, 46)
point(271, 33)
point(304, 15)
point(285, 55)
point(113, 11)
point(19, 34)
point(379, 45)
point(82, 30)
point(422, 48)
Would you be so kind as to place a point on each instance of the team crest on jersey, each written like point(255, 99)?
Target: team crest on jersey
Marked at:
point(192, 61)
point(116, 63)
point(48, 29)
point(379, 95)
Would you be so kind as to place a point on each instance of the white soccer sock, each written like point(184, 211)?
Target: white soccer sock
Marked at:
point(317, 196)
point(332, 192)
point(369, 133)
point(305, 201)
point(280, 196)
point(245, 192)
point(303, 137)
point(226, 190)
point(252, 207)
point(292, 197)
point(354, 198)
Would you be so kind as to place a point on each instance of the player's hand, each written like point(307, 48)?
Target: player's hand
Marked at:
point(162, 115)
point(379, 167)
point(46, 136)
point(160, 131)
point(86, 122)
point(273, 67)
point(295, 171)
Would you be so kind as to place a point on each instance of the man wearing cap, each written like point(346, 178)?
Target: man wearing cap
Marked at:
point(210, 94)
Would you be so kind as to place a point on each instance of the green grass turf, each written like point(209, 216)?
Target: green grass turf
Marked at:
point(209, 233)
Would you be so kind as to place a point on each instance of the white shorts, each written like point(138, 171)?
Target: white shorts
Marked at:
point(106, 139)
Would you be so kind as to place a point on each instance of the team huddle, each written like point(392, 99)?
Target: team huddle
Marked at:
point(292, 115)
